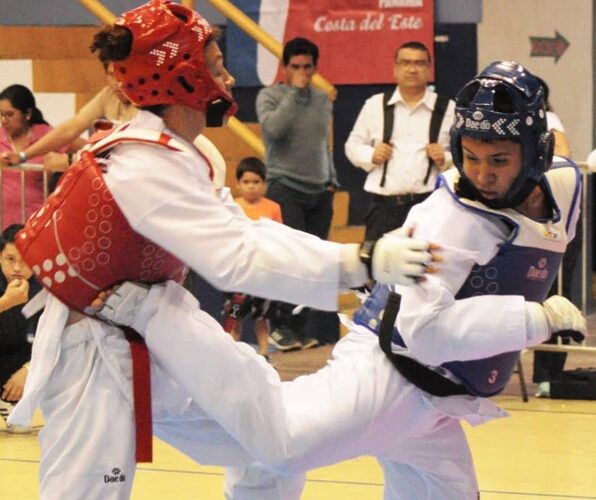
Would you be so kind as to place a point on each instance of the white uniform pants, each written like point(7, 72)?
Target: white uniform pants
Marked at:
point(357, 405)
point(88, 447)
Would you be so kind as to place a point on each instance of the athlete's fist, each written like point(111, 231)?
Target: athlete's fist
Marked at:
point(400, 259)
point(564, 319)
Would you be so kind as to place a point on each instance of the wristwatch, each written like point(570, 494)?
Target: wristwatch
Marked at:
point(365, 255)
point(22, 157)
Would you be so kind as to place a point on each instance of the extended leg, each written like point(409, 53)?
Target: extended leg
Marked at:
point(337, 413)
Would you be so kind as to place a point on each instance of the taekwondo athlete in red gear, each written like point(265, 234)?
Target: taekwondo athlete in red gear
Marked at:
point(169, 64)
point(503, 218)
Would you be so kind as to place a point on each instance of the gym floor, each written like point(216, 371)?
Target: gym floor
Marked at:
point(545, 450)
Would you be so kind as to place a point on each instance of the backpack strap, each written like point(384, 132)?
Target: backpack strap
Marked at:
point(436, 121)
point(388, 113)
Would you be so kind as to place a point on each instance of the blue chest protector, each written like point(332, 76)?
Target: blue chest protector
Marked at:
point(515, 270)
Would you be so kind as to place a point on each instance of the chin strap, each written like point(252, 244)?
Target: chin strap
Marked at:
point(216, 111)
point(466, 189)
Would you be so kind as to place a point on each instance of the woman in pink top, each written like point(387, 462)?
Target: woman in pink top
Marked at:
point(22, 124)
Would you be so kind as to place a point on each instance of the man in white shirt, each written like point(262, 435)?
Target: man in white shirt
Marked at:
point(401, 139)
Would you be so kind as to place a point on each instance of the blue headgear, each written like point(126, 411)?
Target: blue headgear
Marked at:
point(505, 101)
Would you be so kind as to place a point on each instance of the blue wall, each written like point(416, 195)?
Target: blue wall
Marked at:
point(69, 12)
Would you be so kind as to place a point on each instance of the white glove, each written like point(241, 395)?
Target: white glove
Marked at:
point(556, 316)
point(124, 304)
point(564, 318)
point(399, 259)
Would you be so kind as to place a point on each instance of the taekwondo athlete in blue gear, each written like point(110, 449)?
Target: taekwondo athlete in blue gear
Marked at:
point(528, 260)
point(502, 219)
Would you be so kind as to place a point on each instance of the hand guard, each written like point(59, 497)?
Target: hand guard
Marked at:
point(124, 303)
point(399, 259)
point(564, 319)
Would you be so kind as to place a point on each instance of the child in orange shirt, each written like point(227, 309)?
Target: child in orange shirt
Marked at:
point(251, 177)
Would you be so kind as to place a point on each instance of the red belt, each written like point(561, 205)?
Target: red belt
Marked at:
point(141, 385)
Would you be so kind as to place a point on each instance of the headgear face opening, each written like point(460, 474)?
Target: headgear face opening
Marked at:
point(167, 62)
point(504, 102)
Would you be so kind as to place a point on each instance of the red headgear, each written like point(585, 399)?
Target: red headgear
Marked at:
point(166, 64)
point(79, 242)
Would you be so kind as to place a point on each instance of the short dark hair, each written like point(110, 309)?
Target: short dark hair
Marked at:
point(9, 235)
point(298, 47)
point(413, 45)
point(253, 165)
point(112, 43)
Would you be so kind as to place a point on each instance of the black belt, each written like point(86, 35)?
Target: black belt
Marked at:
point(402, 199)
point(419, 375)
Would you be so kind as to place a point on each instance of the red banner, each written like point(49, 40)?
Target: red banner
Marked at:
point(357, 39)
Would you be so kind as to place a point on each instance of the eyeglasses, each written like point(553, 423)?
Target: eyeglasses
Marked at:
point(7, 114)
point(306, 66)
point(407, 63)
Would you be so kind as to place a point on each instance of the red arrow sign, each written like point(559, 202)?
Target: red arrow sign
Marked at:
point(548, 47)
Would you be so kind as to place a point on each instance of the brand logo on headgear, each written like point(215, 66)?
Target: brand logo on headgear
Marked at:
point(538, 272)
point(477, 125)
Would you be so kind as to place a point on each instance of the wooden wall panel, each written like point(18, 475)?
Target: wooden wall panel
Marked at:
point(68, 75)
point(83, 98)
point(226, 140)
point(46, 42)
point(341, 204)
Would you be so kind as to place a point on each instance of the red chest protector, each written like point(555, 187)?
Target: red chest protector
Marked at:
point(79, 243)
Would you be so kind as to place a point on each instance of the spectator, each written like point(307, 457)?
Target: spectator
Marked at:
point(295, 122)
point(251, 176)
point(109, 106)
point(23, 124)
point(16, 333)
point(401, 138)
point(548, 366)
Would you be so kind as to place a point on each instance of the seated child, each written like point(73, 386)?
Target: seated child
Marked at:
point(16, 333)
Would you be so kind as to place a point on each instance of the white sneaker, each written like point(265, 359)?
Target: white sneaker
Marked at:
point(5, 410)
point(543, 390)
point(19, 429)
